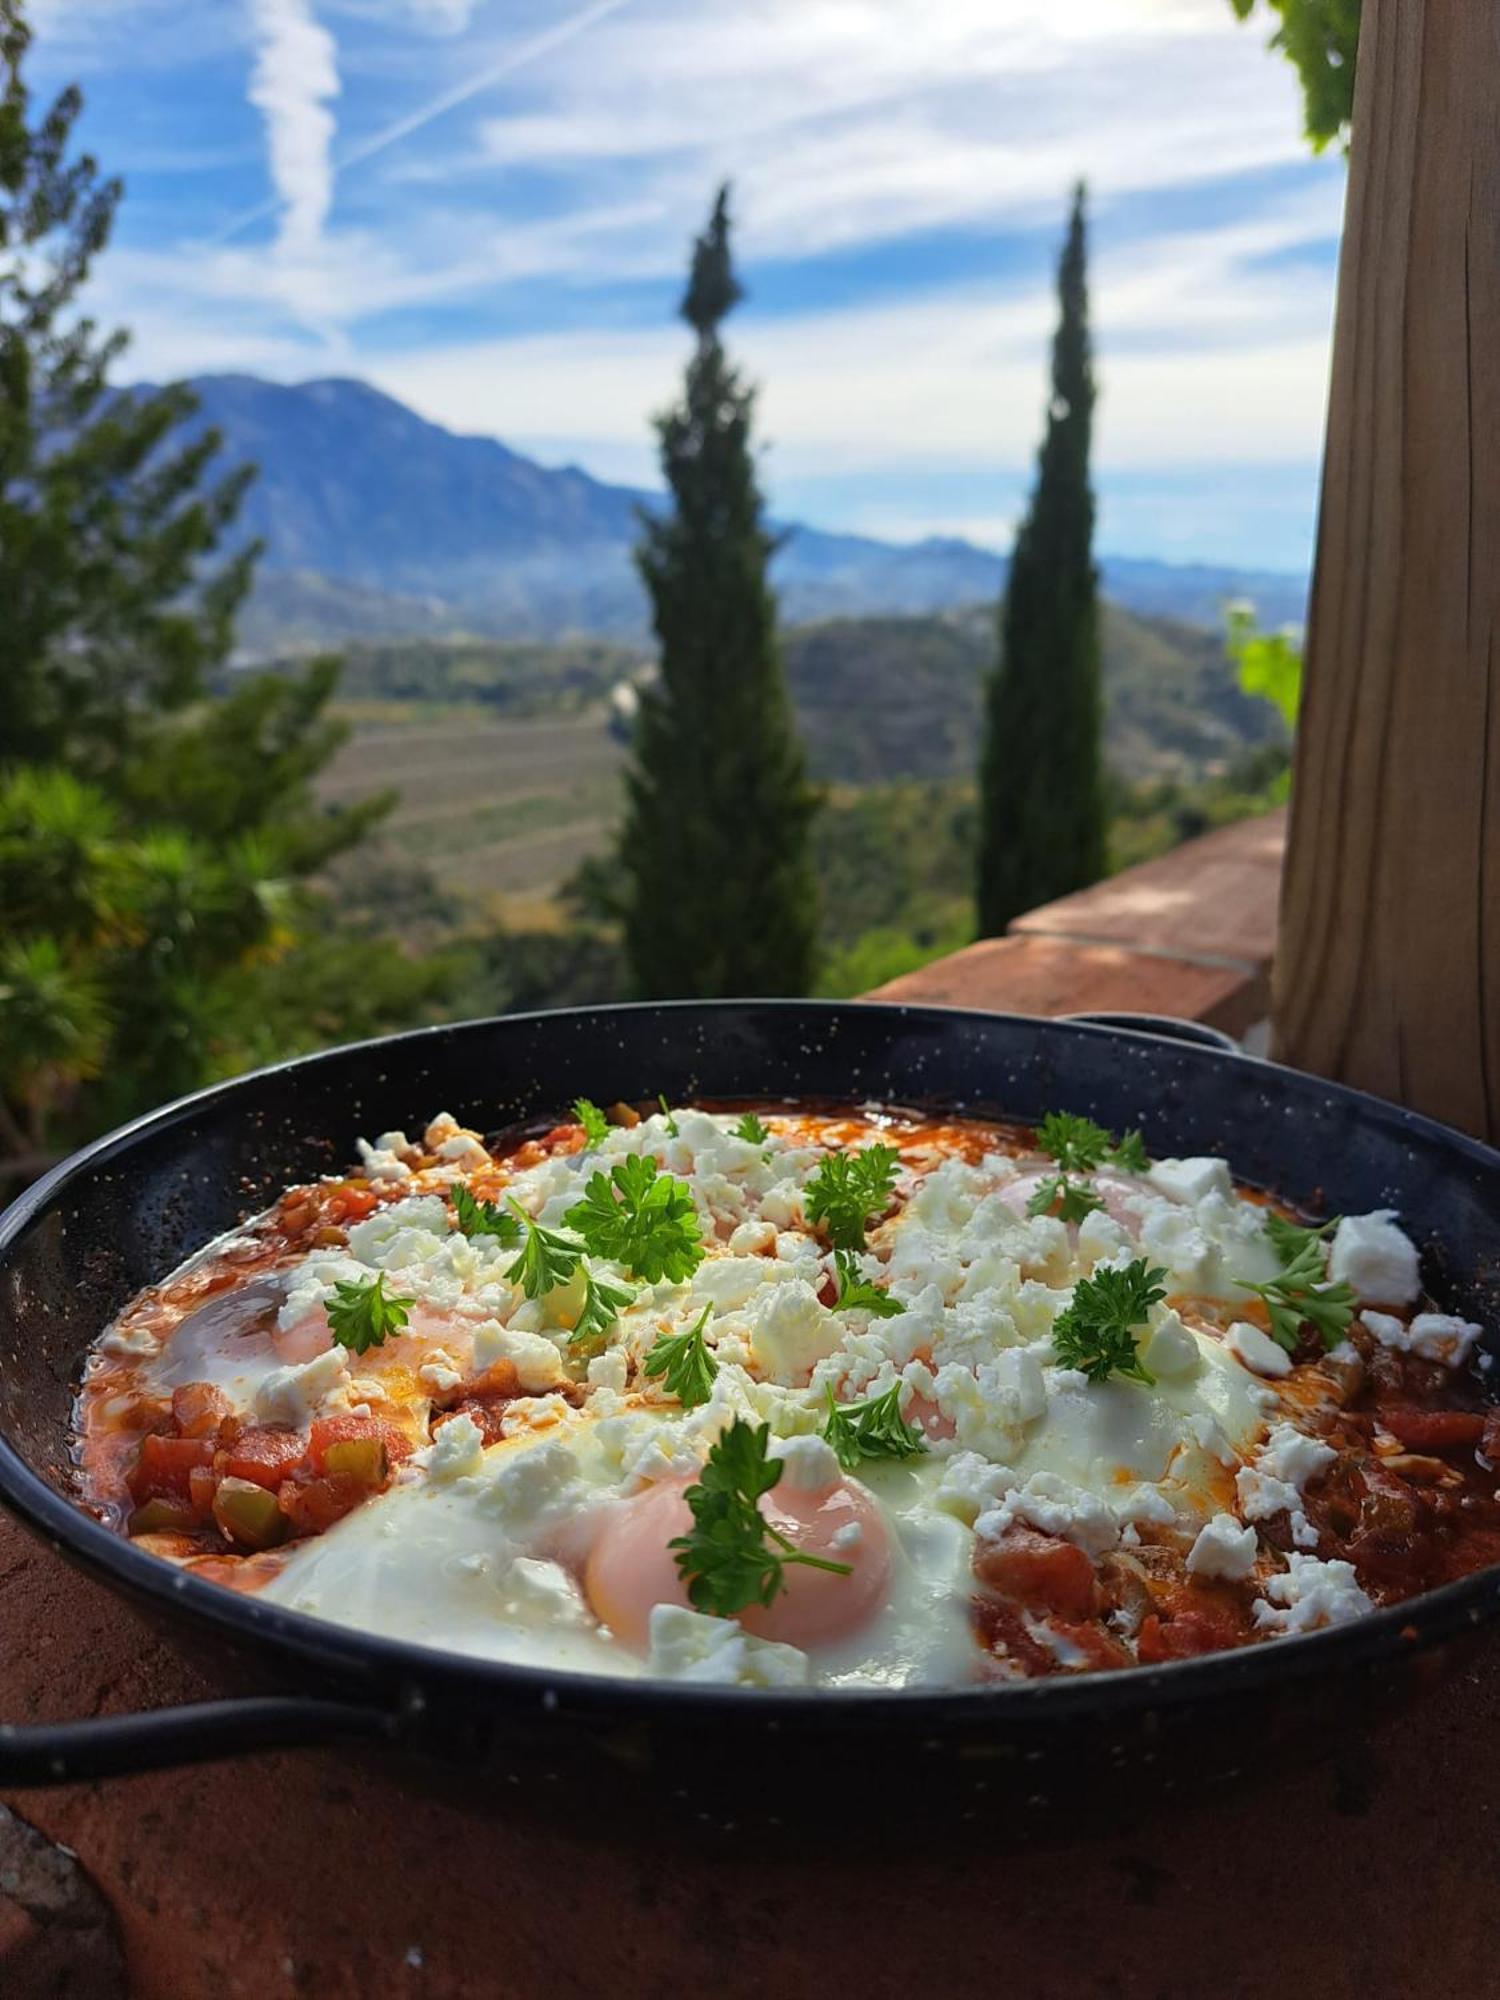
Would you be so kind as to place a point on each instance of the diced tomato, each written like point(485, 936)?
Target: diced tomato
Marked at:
point(315, 1504)
point(163, 1466)
point(1040, 1571)
point(345, 1430)
point(198, 1409)
point(1436, 1430)
point(1211, 1625)
point(347, 1204)
point(203, 1483)
point(265, 1455)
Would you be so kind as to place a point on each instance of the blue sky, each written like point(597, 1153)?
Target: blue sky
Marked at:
point(483, 206)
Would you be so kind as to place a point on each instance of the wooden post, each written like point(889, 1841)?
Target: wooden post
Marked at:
point(1388, 961)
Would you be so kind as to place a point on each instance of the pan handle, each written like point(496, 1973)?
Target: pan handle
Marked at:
point(111, 1746)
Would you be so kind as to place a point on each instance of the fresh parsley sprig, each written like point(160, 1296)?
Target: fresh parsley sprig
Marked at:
point(482, 1218)
point(1095, 1331)
point(684, 1361)
point(603, 1302)
point(872, 1429)
point(1079, 1145)
point(1304, 1294)
point(857, 1294)
point(733, 1557)
point(642, 1218)
point(666, 1112)
point(1290, 1239)
point(848, 1191)
point(592, 1119)
point(548, 1257)
point(360, 1316)
point(752, 1130)
point(1069, 1200)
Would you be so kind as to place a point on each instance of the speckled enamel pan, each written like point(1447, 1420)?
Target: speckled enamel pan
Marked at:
point(126, 1210)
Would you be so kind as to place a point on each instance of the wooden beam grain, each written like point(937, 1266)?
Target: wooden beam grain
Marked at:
point(1388, 962)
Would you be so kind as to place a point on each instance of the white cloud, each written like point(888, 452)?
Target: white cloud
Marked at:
point(294, 76)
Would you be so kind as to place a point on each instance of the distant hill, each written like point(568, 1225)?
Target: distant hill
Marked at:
point(878, 699)
point(380, 524)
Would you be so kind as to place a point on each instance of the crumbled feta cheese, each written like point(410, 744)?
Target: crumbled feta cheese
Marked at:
point(456, 1451)
point(609, 1371)
point(1257, 1350)
point(1190, 1180)
point(1379, 1260)
point(1099, 1236)
point(728, 1283)
point(292, 1395)
point(1434, 1336)
point(1224, 1548)
point(690, 1646)
point(808, 1463)
point(1058, 1508)
point(380, 1161)
point(536, 1360)
point(531, 1481)
point(1309, 1594)
point(791, 1330)
point(402, 1232)
point(1273, 1485)
point(464, 1150)
point(1169, 1349)
point(439, 1371)
point(1146, 1503)
point(755, 1238)
point(969, 1484)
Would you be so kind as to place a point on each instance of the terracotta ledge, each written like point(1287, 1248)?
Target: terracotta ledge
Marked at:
point(1190, 934)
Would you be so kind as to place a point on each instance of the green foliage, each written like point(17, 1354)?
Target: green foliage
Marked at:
point(720, 896)
point(733, 1557)
point(1268, 664)
point(849, 1190)
point(1321, 38)
point(1042, 806)
point(154, 844)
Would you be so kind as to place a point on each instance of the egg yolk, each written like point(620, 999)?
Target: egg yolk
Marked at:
point(630, 1568)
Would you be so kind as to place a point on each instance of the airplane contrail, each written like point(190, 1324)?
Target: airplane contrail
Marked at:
point(413, 121)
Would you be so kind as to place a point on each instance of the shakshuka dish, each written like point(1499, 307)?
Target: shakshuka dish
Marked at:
point(781, 1397)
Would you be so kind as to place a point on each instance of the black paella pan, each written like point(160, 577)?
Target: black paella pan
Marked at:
point(126, 1210)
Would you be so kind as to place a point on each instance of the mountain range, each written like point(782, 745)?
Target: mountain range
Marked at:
point(379, 524)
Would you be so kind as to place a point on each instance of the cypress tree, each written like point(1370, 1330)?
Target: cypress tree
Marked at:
point(1041, 803)
point(719, 893)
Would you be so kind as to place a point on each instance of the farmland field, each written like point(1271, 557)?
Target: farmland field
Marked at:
point(501, 811)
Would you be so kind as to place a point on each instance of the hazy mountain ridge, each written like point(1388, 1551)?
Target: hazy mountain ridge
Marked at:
point(377, 522)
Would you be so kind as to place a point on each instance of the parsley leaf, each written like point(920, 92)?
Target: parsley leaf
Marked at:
point(641, 1218)
point(733, 1557)
point(603, 1303)
point(360, 1316)
point(592, 1119)
point(548, 1259)
point(1303, 1292)
point(1292, 1238)
point(684, 1359)
point(482, 1218)
point(752, 1130)
point(1079, 1145)
point(848, 1190)
point(872, 1429)
point(857, 1294)
point(1095, 1330)
point(1074, 1199)
point(666, 1112)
